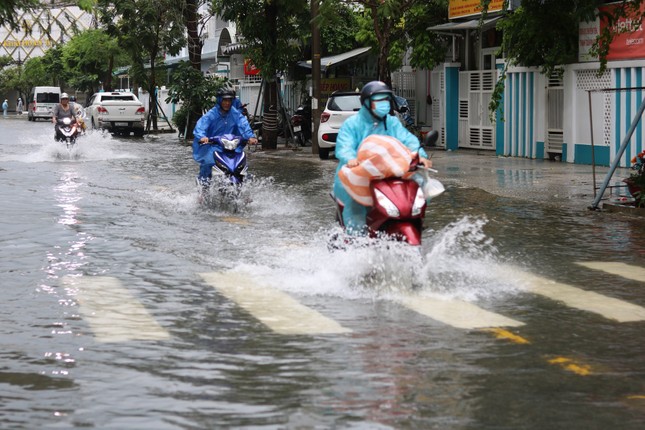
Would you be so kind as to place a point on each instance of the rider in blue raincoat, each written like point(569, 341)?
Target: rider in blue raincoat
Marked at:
point(374, 117)
point(222, 119)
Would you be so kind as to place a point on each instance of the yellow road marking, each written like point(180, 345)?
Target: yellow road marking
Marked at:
point(500, 333)
point(627, 271)
point(636, 397)
point(571, 366)
point(608, 307)
point(277, 310)
point(113, 313)
point(457, 313)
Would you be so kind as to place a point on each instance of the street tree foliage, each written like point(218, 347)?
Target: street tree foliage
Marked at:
point(88, 59)
point(274, 32)
point(195, 91)
point(338, 24)
point(9, 11)
point(391, 27)
point(146, 30)
point(544, 34)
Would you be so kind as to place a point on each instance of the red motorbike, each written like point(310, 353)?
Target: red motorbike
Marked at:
point(400, 204)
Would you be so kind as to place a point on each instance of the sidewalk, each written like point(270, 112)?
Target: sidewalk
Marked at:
point(547, 182)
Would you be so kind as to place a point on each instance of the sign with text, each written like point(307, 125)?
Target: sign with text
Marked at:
point(462, 8)
point(329, 85)
point(629, 39)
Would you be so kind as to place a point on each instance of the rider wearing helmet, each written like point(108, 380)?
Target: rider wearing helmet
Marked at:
point(223, 118)
point(374, 117)
point(62, 110)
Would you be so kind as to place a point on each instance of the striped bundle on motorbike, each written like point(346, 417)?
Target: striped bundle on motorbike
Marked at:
point(379, 157)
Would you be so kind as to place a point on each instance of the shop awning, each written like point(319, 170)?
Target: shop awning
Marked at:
point(456, 27)
point(336, 60)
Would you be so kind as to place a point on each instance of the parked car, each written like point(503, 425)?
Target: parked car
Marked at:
point(339, 107)
point(119, 112)
point(41, 102)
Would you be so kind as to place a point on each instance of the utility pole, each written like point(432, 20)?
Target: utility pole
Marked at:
point(315, 75)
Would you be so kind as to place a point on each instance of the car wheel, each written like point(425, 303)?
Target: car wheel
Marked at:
point(323, 153)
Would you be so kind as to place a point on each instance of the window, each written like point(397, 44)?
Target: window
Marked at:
point(350, 102)
point(47, 98)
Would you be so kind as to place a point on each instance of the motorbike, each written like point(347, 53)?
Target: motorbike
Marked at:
point(67, 130)
point(229, 170)
point(399, 204)
point(301, 123)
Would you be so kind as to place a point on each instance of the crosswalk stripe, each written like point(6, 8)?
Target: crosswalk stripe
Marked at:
point(113, 313)
point(627, 271)
point(457, 313)
point(276, 309)
point(590, 301)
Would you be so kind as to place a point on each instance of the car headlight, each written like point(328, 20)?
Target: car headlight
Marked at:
point(419, 202)
point(387, 204)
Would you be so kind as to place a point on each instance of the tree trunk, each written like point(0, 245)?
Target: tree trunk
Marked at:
point(270, 116)
point(108, 75)
point(195, 44)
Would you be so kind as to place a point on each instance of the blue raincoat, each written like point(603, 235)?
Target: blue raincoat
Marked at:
point(217, 123)
point(351, 134)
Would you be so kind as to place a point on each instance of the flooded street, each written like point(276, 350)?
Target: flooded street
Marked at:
point(127, 305)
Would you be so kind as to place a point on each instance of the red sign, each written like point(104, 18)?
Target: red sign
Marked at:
point(629, 41)
point(249, 68)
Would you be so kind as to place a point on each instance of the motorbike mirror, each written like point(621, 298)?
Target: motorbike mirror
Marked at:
point(431, 138)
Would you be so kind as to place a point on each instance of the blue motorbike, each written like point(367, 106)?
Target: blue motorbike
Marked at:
point(229, 170)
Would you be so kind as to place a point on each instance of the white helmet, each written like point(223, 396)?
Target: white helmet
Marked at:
point(64, 96)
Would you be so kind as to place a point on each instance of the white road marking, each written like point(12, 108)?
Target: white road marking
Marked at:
point(627, 271)
point(608, 307)
point(457, 313)
point(276, 309)
point(113, 313)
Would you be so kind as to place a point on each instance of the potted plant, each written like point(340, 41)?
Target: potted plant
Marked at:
point(636, 181)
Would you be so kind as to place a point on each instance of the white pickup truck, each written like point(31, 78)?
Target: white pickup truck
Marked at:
point(119, 112)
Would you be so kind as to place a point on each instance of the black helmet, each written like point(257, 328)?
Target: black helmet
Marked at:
point(225, 93)
point(374, 87)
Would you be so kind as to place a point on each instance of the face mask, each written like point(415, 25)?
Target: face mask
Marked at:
point(381, 108)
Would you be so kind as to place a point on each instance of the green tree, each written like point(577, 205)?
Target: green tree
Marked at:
point(8, 8)
point(544, 34)
point(273, 31)
point(88, 59)
point(338, 23)
point(146, 30)
point(196, 93)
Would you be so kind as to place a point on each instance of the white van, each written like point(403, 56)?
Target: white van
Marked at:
point(41, 102)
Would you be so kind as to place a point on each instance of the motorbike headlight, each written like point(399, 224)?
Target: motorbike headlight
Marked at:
point(387, 204)
point(67, 121)
point(230, 145)
point(419, 202)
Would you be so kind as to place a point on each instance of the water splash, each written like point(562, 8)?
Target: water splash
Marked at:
point(454, 263)
point(93, 146)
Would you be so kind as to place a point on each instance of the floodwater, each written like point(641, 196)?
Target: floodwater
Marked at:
point(127, 305)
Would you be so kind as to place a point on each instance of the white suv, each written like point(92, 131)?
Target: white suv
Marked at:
point(119, 112)
point(339, 107)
